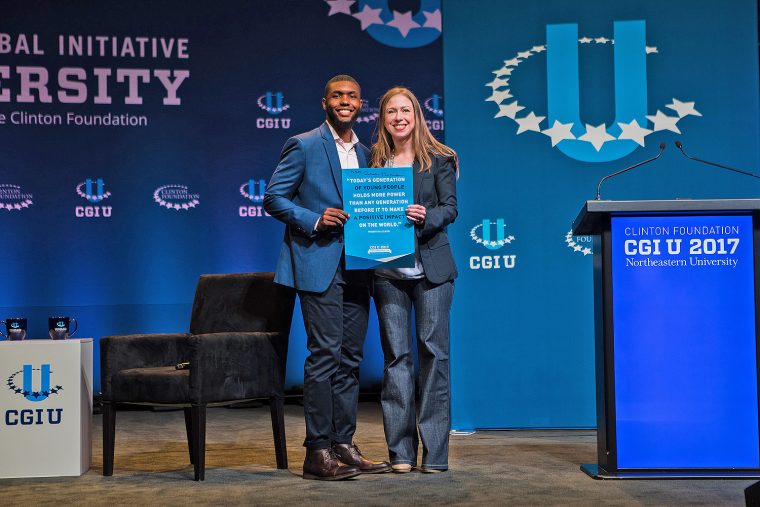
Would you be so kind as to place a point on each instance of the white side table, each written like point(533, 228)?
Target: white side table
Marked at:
point(45, 407)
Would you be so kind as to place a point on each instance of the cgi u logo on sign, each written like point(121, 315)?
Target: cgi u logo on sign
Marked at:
point(94, 192)
point(26, 416)
point(44, 390)
point(27, 385)
point(498, 242)
point(576, 139)
point(254, 191)
point(482, 235)
point(97, 195)
point(434, 104)
point(272, 103)
point(564, 92)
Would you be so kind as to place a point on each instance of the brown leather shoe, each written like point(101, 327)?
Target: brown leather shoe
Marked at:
point(323, 465)
point(351, 455)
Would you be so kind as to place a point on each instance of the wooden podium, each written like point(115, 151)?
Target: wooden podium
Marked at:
point(676, 327)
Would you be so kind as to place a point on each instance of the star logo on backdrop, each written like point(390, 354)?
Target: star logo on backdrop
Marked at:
point(502, 95)
point(248, 190)
point(574, 246)
point(340, 6)
point(90, 197)
point(372, 13)
point(175, 197)
point(477, 237)
point(12, 199)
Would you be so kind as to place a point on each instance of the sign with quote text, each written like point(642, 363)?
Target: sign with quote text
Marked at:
point(378, 234)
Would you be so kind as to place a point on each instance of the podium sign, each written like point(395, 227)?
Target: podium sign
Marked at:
point(677, 327)
point(46, 407)
point(684, 332)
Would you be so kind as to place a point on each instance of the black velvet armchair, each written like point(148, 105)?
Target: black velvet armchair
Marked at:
point(236, 350)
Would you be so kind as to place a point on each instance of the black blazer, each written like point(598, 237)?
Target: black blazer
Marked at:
point(437, 191)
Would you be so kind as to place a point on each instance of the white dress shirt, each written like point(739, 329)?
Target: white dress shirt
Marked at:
point(346, 154)
point(346, 151)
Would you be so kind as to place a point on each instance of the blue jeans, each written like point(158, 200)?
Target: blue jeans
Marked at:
point(402, 417)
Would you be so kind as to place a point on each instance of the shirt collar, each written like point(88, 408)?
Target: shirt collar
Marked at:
point(354, 139)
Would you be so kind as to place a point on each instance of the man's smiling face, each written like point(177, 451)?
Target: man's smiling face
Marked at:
point(342, 103)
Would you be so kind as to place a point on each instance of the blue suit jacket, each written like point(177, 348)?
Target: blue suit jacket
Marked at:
point(308, 180)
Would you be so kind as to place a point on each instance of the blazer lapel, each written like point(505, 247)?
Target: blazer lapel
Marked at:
point(417, 181)
point(332, 157)
point(360, 156)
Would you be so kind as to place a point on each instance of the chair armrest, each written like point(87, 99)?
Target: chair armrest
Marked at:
point(236, 366)
point(139, 351)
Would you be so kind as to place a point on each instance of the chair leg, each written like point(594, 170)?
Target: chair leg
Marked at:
point(278, 430)
point(189, 430)
point(109, 436)
point(198, 416)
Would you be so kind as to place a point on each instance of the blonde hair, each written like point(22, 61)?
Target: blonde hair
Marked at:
point(423, 141)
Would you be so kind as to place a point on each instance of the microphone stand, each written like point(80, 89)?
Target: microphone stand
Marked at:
point(599, 186)
point(679, 145)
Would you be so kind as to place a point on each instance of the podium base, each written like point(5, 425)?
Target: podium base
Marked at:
point(596, 472)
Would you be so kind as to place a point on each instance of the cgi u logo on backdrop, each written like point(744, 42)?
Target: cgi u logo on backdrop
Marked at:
point(253, 190)
point(434, 105)
point(274, 104)
point(30, 416)
point(393, 28)
point(567, 131)
point(492, 234)
point(94, 192)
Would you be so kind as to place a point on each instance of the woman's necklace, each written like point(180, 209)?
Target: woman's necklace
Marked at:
point(391, 162)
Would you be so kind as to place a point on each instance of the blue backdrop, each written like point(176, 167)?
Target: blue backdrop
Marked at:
point(209, 92)
point(540, 105)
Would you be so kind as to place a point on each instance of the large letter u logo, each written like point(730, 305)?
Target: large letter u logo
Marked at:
point(44, 390)
point(564, 90)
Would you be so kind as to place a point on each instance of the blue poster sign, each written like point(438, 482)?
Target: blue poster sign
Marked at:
point(378, 233)
point(684, 342)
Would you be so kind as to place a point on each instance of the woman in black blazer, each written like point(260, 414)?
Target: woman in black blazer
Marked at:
point(405, 140)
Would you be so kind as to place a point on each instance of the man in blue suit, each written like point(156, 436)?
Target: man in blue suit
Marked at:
point(305, 193)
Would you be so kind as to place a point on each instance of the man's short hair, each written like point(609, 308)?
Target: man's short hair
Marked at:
point(340, 77)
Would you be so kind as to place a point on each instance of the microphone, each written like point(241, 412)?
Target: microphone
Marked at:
point(634, 166)
point(679, 145)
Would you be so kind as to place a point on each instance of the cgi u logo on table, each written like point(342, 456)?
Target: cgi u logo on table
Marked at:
point(565, 127)
point(34, 387)
point(492, 234)
point(253, 190)
point(274, 104)
point(94, 192)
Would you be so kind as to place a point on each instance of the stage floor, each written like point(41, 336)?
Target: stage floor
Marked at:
point(489, 467)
